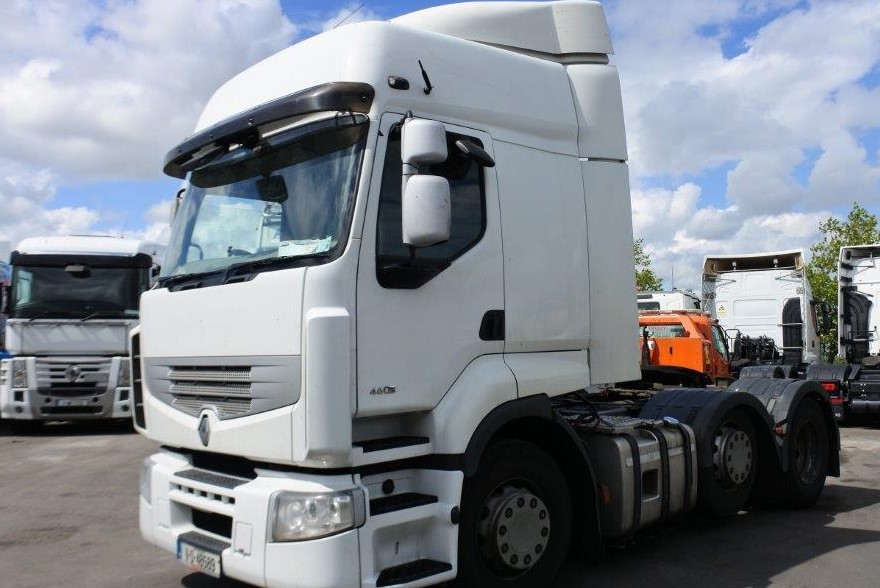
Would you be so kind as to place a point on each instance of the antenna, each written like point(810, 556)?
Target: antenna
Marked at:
point(350, 14)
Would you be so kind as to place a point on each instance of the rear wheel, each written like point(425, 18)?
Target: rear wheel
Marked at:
point(516, 519)
point(724, 488)
point(807, 456)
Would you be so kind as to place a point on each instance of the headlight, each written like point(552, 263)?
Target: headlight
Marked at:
point(124, 379)
point(19, 373)
point(147, 479)
point(297, 516)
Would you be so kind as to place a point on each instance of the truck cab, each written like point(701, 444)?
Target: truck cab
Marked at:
point(688, 340)
point(765, 303)
point(391, 303)
point(670, 300)
point(72, 302)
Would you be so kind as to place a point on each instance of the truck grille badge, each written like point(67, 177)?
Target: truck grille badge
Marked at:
point(204, 430)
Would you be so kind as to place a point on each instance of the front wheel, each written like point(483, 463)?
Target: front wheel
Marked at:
point(516, 519)
point(807, 456)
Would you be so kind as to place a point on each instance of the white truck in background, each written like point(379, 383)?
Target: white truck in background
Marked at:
point(383, 347)
point(854, 387)
point(668, 300)
point(765, 304)
point(72, 301)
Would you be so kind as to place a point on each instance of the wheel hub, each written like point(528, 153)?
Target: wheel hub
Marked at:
point(733, 455)
point(515, 526)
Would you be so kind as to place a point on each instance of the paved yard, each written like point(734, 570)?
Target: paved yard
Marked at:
point(68, 518)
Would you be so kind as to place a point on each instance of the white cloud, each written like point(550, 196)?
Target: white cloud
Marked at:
point(795, 88)
point(103, 90)
point(350, 13)
point(26, 210)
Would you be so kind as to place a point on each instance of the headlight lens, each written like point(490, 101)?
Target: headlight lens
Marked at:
point(298, 516)
point(124, 380)
point(19, 373)
point(147, 479)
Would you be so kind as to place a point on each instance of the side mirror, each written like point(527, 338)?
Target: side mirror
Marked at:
point(4, 299)
point(426, 211)
point(826, 320)
point(422, 142)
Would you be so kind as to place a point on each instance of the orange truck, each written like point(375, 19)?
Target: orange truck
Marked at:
point(689, 343)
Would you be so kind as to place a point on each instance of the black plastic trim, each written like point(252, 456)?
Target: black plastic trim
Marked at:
point(386, 504)
point(386, 443)
point(136, 261)
point(334, 96)
point(412, 571)
point(492, 326)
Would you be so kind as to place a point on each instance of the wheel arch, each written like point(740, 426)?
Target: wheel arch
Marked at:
point(780, 399)
point(532, 419)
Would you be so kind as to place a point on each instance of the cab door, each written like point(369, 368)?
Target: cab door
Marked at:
point(420, 312)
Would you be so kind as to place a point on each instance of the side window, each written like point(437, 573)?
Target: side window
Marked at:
point(720, 340)
point(399, 266)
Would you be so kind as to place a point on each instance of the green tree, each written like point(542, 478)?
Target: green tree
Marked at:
point(859, 228)
point(646, 279)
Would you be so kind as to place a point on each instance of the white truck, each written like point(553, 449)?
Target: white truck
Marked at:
point(764, 302)
point(669, 300)
point(854, 387)
point(72, 301)
point(382, 347)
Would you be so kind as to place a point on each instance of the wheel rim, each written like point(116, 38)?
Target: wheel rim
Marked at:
point(514, 529)
point(733, 455)
point(805, 458)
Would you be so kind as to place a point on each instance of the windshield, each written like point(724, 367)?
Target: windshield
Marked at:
point(77, 291)
point(285, 198)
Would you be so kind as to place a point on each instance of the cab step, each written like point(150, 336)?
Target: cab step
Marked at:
point(386, 504)
point(385, 443)
point(412, 571)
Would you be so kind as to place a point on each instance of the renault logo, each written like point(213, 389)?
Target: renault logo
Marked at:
point(73, 373)
point(204, 430)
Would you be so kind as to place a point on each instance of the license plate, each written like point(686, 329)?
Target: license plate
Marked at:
point(73, 401)
point(198, 560)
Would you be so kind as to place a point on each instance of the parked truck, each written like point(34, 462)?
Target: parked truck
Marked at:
point(383, 347)
point(688, 347)
point(765, 303)
point(670, 300)
point(854, 386)
point(72, 301)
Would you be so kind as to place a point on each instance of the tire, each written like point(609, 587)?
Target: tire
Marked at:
point(724, 488)
point(519, 482)
point(807, 456)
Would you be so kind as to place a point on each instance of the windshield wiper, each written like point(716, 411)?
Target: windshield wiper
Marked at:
point(119, 313)
point(240, 268)
point(179, 279)
point(47, 312)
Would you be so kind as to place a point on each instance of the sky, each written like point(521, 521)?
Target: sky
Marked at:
point(748, 121)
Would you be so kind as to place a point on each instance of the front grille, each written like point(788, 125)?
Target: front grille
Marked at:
point(226, 389)
point(72, 376)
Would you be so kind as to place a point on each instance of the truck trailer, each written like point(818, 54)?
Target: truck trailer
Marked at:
point(765, 303)
point(384, 344)
point(72, 301)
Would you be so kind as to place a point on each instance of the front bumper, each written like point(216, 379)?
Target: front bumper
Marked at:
point(234, 513)
point(44, 398)
point(178, 503)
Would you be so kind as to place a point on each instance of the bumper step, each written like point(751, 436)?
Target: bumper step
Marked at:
point(402, 501)
point(209, 544)
point(384, 443)
point(412, 571)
